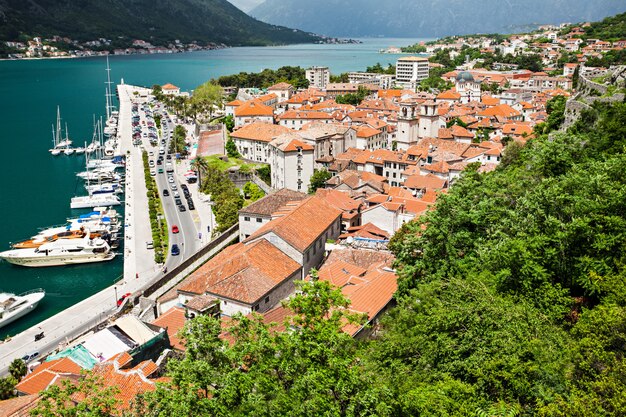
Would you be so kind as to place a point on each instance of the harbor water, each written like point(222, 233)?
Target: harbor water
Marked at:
point(37, 187)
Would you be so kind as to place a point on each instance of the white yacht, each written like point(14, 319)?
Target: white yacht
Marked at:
point(104, 188)
point(94, 200)
point(61, 252)
point(12, 306)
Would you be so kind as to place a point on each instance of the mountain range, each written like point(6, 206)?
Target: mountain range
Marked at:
point(157, 21)
point(428, 18)
point(246, 5)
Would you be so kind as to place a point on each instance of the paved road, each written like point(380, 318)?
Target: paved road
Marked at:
point(187, 239)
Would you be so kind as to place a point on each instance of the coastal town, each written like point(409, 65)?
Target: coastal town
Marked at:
point(337, 168)
point(64, 47)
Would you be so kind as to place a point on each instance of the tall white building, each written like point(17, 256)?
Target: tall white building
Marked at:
point(291, 162)
point(410, 71)
point(318, 77)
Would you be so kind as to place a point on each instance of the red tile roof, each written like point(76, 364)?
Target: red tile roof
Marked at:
point(304, 225)
point(46, 374)
point(243, 272)
point(260, 131)
point(253, 108)
point(173, 320)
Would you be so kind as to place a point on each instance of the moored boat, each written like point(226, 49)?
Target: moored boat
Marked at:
point(61, 252)
point(12, 306)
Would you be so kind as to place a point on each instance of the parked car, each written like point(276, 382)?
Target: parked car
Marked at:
point(182, 208)
point(149, 245)
point(175, 250)
point(122, 298)
point(166, 193)
point(30, 356)
point(175, 229)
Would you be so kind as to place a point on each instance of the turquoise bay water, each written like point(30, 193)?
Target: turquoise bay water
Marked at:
point(36, 187)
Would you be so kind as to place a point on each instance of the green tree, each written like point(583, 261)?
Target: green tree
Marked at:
point(318, 180)
point(231, 149)
point(157, 92)
point(88, 397)
point(252, 191)
point(310, 370)
point(207, 97)
point(18, 369)
point(7, 387)
point(229, 122)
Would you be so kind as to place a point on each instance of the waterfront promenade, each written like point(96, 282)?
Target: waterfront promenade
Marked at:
point(61, 328)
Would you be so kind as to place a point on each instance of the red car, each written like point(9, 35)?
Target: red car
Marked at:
point(122, 298)
point(175, 229)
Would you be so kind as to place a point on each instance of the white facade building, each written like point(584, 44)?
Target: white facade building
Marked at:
point(291, 162)
point(410, 71)
point(318, 77)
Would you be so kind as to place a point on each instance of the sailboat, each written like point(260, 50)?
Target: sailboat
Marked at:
point(54, 151)
point(93, 200)
point(68, 149)
point(65, 142)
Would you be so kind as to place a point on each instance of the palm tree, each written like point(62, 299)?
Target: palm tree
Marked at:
point(200, 164)
point(18, 369)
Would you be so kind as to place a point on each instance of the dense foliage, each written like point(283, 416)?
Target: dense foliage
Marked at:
point(318, 180)
point(378, 69)
point(295, 76)
point(158, 223)
point(226, 196)
point(178, 143)
point(160, 22)
point(612, 28)
point(310, 371)
point(514, 292)
point(353, 98)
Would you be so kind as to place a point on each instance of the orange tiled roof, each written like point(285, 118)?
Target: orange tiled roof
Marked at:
point(448, 95)
point(503, 110)
point(19, 406)
point(368, 231)
point(169, 86)
point(243, 272)
point(299, 114)
point(304, 225)
point(260, 131)
point(281, 86)
point(272, 202)
point(46, 374)
point(489, 101)
point(290, 142)
point(173, 320)
point(253, 108)
point(129, 382)
point(428, 182)
point(366, 132)
point(460, 131)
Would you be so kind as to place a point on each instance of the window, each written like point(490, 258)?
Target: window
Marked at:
point(255, 307)
point(246, 218)
point(259, 220)
point(267, 299)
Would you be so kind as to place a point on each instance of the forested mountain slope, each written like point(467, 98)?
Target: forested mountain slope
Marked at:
point(158, 21)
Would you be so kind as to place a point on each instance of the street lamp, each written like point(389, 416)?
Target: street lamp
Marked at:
point(115, 288)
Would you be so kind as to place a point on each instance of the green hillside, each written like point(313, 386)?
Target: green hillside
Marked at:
point(158, 21)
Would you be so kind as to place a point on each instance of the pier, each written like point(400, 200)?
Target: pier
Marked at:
point(141, 273)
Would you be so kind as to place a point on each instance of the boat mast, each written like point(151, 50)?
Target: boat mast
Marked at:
point(54, 139)
point(109, 97)
point(58, 134)
point(67, 136)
